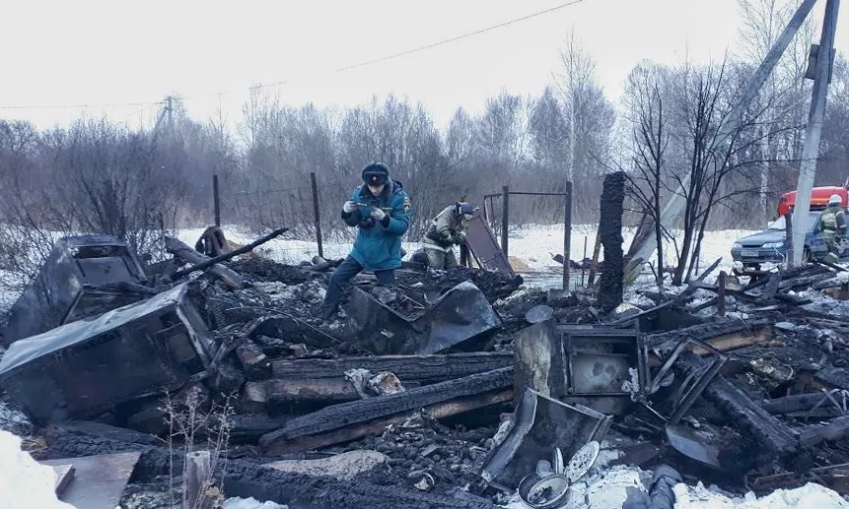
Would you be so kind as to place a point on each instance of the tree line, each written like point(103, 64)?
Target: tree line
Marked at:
point(104, 177)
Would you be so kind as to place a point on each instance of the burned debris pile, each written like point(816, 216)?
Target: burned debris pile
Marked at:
point(447, 390)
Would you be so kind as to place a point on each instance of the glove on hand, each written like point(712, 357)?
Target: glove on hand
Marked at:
point(378, 214)
point(460, 237)
point(349, 207)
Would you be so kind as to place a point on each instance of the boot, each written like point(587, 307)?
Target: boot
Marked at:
point(328, 313)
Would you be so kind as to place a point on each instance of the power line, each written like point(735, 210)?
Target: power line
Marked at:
point(432, 45)
point(335, 71)
point(79, 106)
point(459, 37)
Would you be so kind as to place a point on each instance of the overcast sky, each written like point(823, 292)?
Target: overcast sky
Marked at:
point(114, 52)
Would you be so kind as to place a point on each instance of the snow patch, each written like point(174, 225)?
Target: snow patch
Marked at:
point(251, 503)
point(809, 495)
point(25, 484)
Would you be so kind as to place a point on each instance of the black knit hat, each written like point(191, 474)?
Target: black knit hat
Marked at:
point(376, 174)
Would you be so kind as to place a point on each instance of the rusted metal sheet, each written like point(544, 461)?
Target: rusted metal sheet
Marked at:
point(84, 368)
point(483, 246)
point(83, 276)
point(462, 313)
point(98, 481)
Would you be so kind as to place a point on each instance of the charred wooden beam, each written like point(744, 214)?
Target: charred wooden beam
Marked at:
point(350, 433)
point(363, 411)
point(752, 418)
point(249, 427)
point(257, 396)
point(244, 478)
point(834, 430)
point(209, 262)
point(408, 368)
point(716, 332)
point(610, 231)
point(795, 403)
point(804, 281)
point(189, 255)
point(698, 283)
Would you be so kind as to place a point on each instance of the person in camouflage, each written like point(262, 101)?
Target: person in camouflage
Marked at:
point(833, 227)
point(446, 230)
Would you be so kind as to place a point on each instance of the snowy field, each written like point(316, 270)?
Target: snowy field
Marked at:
point(530, 249)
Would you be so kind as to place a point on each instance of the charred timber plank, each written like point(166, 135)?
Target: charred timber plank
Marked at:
point(301, 491)
point(358, 412)
point(667, 341)
point(834, 377)
point(805, 281)
point(189, 255)
point(796, 403)
point(736, 340)
point(744, 412)
point(249, 427)
point(257, 395)
point(243, 478)
point(835, 430)
point(376, 427)
point(408, 368)
point(209, 262)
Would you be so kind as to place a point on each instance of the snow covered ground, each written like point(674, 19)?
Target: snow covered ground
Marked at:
point(530, 249)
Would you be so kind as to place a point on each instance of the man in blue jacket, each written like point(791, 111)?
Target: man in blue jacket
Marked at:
point(381, 209)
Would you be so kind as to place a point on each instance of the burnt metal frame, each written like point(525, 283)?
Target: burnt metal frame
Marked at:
point(524, 420)
point(693, 386)
point(568, 352)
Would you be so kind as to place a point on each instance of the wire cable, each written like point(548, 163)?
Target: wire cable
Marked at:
point(363, 63)
point(424, 47)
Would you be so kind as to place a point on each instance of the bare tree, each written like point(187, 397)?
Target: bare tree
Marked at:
point(650, 132)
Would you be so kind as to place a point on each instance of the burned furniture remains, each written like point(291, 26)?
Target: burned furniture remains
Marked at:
point(460, 314)
point(602, 367)
point(82, 277)
point(85, 368)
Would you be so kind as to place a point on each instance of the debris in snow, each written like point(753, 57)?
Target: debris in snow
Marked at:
point(809, 495)
point(251, 503)
point(785, 326)
point(25, 484)
point(14, 421)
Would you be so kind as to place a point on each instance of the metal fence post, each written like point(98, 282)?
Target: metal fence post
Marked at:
point(567, 236)
point(505, 217)
point(216, 200)
point(317, 214)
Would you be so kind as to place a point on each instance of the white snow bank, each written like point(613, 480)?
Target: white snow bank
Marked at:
point(808, 496)
point(607, 489)
point(24, 483)
point(250, 503)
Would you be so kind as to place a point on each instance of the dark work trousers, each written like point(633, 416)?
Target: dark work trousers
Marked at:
point(342, 276)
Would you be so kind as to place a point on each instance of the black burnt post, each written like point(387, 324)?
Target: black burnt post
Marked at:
point(610, 232)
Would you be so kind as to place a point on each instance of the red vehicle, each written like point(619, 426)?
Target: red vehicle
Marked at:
point(819, 198)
